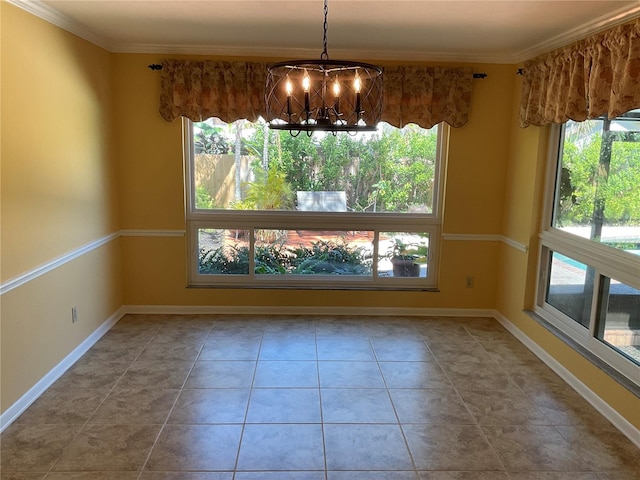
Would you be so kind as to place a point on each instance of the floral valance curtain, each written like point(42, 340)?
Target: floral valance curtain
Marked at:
point(427, 96)
point(202, 89)
point(593, 77)
point(234, 90)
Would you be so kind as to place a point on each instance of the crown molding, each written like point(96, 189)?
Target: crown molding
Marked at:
point(301, 53)
point(54, 17)
point(599, 24)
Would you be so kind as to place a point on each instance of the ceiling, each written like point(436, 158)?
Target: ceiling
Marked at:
point(429, 30)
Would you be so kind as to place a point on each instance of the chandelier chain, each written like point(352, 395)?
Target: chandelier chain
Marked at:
point(325, 55)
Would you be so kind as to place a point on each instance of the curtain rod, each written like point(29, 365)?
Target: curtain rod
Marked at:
point(156, 66)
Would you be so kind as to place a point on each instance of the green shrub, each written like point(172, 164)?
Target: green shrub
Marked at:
point(203, 198)
point(322, 258)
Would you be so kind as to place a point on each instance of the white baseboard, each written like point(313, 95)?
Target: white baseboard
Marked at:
point(307, 310)
point(621, 423)
point(15, 410)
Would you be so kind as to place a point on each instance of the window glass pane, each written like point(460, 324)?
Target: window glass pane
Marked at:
point(403, 254)
point(313, 252)
point(223, 251)
point(247, 166)
point(597, 194)
point(619, 325)
point(570, 288)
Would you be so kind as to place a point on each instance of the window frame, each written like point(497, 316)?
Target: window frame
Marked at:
point(606, 262)
point(430, 223)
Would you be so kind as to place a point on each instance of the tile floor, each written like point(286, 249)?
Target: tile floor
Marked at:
point(312, 398)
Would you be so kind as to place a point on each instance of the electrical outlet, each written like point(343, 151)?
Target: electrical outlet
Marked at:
point(74, 314)
point(469, 283)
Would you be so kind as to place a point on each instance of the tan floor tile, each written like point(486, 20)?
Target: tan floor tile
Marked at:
point(57, 406)
point(22, 476)
point(136, 406)
point(472, 375)
point(161, 374)
point(171, 350)
point(210, 405)
point(553, 476)
point(602, 449)
point(195, 447)
point(534, 377)
point(221, 374)
point(365, 475)
point(532, 448)
point(502, 407)
point(366, 447)
point(450, 447)
point(464, 476)
point(561, 405)
point(34, 447)
point(92, 375)
point(92, 476)
point(414, 375)
point(438, 406)
point(187, 476)
point(108, 448)
point(619, 475)
point(279, 475)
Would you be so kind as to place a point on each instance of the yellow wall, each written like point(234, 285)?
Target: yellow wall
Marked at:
point(85, 154)
point(58, 194)
point(149, 150)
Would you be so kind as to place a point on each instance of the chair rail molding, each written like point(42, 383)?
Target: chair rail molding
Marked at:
point(481, 237)
point(40, 270)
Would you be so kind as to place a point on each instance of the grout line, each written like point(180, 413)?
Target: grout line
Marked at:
point(88, 420)
point(324, 443)
point(395, 411)
point(246, 412)
point(166, 420)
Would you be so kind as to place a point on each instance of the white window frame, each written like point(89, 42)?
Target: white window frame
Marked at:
point(298, 220)
point(606, 261)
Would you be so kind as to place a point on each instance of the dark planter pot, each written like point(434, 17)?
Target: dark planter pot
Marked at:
point(405, 268)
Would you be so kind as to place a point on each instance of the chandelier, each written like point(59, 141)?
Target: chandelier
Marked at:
point(324, 95)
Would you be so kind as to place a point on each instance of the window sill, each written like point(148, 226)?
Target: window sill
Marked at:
point(375, 288)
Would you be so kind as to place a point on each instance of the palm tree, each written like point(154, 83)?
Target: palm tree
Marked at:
point(238, 158)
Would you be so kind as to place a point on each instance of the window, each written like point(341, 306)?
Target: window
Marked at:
point(265, 208)
point(589, 281)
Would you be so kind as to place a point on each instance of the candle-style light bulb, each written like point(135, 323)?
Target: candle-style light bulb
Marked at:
point(357, 83)
point(336, 87)
point(306, 86)
point(288, 86)
point(306, 81)
point(336, 95)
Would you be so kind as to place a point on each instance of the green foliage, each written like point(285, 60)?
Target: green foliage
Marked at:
point(392, 170)
point(233, 260)
point(269, 191)
point(330, 258)
point(323, 257)
point(210, 139)
point(271, 259)
point(204, 198)
point(401, 250)
point(583, 180)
